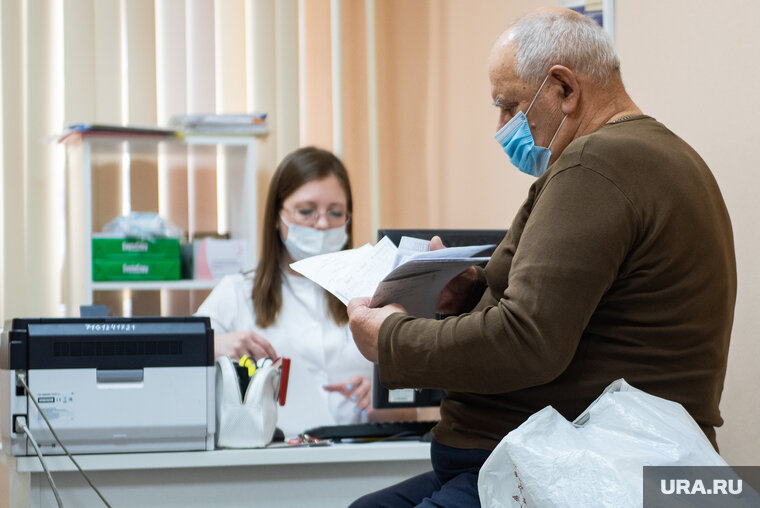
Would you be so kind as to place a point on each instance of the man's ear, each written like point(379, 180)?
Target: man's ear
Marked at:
point(571, 88)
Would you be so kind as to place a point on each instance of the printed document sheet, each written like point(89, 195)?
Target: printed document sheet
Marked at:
point(410, 275)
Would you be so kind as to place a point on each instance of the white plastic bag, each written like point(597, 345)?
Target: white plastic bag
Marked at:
point(246, 421)
point(143, 225)
point(598, 459)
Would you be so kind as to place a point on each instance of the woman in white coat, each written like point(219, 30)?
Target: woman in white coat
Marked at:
point(277, 312)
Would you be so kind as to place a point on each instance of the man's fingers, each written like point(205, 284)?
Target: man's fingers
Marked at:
point(436, 243)
point(394, 307)
point(357, 303)
point(357, 306)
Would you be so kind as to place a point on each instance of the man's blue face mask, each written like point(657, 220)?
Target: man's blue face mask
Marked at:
point(517, 140)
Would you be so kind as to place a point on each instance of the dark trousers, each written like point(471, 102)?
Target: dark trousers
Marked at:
point(452, 483)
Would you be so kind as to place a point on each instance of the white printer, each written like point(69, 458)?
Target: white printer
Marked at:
point(109, 384)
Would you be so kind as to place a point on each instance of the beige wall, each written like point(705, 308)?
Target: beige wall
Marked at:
point(685, 62)
point(436, 121)
point(690, 64)
point(438, 155)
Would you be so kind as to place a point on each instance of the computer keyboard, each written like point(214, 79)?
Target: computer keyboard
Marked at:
point(373, 430)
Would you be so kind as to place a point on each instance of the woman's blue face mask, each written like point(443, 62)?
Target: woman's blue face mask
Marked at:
point(517, 140)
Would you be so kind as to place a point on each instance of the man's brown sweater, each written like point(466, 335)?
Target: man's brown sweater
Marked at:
point(620, 264)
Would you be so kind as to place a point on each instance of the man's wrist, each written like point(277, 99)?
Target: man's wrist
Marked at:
point(383, 336)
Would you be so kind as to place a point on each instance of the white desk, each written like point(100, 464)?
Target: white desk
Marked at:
point(315, 477)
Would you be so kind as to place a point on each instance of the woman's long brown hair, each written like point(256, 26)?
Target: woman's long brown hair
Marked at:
point(297, 168)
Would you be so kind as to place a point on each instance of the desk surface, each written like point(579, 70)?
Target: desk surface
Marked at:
point(326, 476)
point(336, 453)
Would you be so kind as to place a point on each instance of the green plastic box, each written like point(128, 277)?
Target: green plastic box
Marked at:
point(118, 258)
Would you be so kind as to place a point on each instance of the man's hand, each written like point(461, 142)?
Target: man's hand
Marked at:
point(436, 243)
point(454, 296)
point(237, 344)
point(365, 324)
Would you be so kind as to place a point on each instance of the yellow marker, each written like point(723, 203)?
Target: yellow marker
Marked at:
point(247, 362)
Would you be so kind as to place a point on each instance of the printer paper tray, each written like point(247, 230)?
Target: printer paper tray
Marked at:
point(167, 410)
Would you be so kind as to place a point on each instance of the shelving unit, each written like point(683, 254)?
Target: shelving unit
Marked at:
point(202, 184)
point(154, 285)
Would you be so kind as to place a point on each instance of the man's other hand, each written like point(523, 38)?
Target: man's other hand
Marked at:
point(365, 324)
point(454, 296)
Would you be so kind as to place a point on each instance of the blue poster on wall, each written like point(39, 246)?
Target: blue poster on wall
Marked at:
point(601, 11)
point(596, 15)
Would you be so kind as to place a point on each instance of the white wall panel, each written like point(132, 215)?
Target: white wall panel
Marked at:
point(14, 210)
point(43, 184)
point(230, 56)
point(171, 60)
point(108, 82)
point(140, 79)
point(199, 42)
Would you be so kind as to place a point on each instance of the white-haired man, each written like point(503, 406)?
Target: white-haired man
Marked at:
point(620, 263)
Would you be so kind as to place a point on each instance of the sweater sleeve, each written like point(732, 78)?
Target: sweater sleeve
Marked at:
point(577, 235)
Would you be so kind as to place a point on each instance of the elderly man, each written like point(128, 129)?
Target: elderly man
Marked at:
point(620, 264)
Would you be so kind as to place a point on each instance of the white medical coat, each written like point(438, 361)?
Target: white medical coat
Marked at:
point(321, 351)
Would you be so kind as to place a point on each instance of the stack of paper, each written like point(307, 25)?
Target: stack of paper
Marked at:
point(410, 275)
point(249, 124)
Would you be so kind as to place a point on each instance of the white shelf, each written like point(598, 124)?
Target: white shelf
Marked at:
point(153, 285)
point(232, 157)
point(229, 140)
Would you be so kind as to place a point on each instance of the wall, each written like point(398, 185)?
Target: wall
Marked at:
point(438, 155)
point(436, 121)
point(690, 65)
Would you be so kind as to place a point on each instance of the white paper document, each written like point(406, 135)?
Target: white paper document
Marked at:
point(410, 275)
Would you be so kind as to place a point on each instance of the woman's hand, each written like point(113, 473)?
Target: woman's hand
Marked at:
point(358, 389)
point(237, 344)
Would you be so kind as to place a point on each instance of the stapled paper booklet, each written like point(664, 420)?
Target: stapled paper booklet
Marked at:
point(410, 275)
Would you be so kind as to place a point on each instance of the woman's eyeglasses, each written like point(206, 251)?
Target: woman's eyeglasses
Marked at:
point(310, 216)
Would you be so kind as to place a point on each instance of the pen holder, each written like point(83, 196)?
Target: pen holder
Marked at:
point(246, 420)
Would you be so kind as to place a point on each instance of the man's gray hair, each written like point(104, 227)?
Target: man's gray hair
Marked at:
point(548, 38)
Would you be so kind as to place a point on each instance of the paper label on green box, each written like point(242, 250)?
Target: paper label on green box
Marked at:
point(132, 269)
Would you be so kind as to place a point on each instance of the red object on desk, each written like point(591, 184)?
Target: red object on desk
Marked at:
point(284, 374)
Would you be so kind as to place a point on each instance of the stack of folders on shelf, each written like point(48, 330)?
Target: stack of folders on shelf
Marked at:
point(240, 124)
point(74, 130)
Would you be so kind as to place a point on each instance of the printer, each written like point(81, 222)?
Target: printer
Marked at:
point(109, 384)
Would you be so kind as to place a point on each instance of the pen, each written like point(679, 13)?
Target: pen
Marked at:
point(245, 361)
